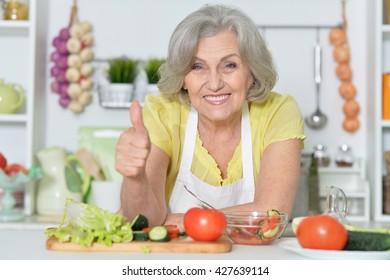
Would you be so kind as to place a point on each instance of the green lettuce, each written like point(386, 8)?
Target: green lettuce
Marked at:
point(85, 224)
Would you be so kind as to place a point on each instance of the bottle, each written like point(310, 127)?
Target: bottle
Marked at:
point(337, 204)
point(314, 207)
point(321, 155)
point(344, 156)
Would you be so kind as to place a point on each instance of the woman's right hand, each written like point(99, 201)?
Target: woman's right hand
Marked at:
point(133, 147)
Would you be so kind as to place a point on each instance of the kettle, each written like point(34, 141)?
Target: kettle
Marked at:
point(11, 97)
point(63, 178)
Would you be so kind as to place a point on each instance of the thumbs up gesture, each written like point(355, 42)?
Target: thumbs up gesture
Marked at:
point(133, 147)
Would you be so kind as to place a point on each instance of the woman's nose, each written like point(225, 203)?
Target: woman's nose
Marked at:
point(215, 82)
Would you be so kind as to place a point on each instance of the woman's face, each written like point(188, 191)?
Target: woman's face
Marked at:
point(219, 80)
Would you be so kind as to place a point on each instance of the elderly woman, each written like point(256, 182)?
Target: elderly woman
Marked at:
point(216, 128)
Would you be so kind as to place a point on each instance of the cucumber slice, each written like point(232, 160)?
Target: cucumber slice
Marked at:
point(159, 234)
point(266, 224)
point(272, 232)
point(139, 222)
point(140, 235)
point(273, 212)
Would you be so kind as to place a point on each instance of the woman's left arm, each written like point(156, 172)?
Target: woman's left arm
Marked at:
point(279, 176)
point(278, 179)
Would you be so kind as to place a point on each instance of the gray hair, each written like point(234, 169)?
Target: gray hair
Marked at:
point(208, 21)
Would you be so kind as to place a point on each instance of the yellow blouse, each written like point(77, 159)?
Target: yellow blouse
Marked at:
point(276, 119)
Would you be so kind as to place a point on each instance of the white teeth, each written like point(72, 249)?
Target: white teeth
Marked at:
point(216, 97)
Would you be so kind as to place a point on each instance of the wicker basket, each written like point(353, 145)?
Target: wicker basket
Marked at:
point(116, 95)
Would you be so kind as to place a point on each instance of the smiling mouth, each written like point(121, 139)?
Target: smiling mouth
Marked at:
point(216, 98)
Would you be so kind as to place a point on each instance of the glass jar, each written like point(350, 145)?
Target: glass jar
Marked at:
point(321, 156)
point(344, 156)
point(16, 10)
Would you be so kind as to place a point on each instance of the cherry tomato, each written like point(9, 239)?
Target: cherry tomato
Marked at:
point(204, 224)
point(14, 168)
point(321, 232)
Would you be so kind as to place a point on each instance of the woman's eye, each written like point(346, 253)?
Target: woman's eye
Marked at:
point(231, 65)
point(197, 67)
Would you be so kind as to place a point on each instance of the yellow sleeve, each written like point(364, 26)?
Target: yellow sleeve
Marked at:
point(279, 118)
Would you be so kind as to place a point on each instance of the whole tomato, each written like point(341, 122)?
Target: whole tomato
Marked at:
point(204, 224)
point(3, 161)
point(321, 232)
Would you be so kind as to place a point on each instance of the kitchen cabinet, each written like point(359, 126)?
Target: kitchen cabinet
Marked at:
point(19, 132)
point(382, 127)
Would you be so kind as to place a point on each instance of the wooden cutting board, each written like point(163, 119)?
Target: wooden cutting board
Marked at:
point(180, 245)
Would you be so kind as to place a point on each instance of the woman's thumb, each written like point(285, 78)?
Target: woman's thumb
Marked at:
point(136, 118)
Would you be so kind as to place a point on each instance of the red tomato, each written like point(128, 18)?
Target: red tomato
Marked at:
point(204, 224)
point(14, 168)
point(3, 161)
point(322, 232)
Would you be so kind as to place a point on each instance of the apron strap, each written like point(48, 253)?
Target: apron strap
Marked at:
point(190, 139)
point(246, 146)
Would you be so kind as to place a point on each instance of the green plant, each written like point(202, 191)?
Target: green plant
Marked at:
point(151, 69)
point(122, 70)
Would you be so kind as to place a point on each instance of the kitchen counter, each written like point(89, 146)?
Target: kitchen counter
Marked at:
point(28, 244)
point(26, 240)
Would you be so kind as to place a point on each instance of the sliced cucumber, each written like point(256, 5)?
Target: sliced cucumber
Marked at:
point(271, 232)
point(140, 235)
point(139, 222)
point(159, 234)
point(273, 212)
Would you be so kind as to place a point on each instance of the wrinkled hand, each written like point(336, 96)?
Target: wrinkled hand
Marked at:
point(133, 147)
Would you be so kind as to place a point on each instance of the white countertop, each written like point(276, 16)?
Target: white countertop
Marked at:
point(26, 240)
point(30, 245)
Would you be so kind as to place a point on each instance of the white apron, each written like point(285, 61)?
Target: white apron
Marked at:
point(240, 192)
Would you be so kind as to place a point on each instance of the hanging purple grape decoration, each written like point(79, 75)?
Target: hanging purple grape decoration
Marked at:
point(65, 34)
point(55, 56)
point(62, 62)
point(55, 71)
point(64, 101)
point(61, 77)
point(62, 49)
point(55, 87)
point(63, 89)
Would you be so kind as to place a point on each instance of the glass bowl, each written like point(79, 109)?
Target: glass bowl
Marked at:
point(255, 227)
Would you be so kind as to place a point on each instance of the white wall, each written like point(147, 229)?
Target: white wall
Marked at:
point(141, 29)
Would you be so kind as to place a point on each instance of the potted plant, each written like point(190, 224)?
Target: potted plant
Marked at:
point(122, 70)
point(119, 92)
point(151, 69)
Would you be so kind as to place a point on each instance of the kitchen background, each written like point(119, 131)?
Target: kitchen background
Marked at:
point(141, 29)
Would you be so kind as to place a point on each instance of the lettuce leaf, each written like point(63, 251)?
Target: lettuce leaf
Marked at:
point(85, 224)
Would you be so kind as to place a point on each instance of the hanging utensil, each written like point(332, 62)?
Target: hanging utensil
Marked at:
point(317, 120)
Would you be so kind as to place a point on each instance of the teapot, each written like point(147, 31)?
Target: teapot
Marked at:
point(11, 98)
